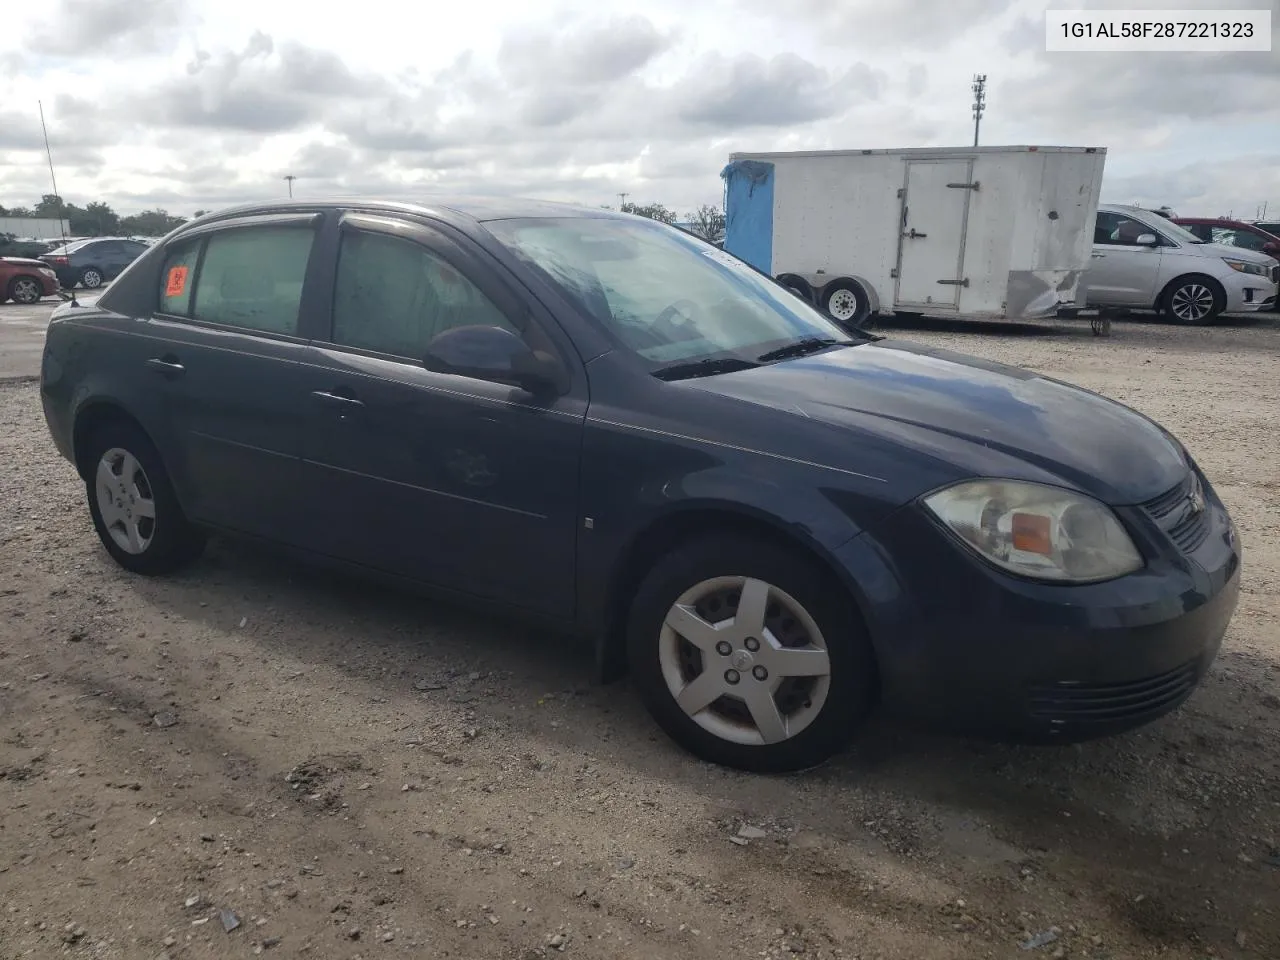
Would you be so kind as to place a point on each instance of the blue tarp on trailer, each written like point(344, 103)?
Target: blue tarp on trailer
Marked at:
point(748, 209)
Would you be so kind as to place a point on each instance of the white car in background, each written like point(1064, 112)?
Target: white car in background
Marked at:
point(1143, 261)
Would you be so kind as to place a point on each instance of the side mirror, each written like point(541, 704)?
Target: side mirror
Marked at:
point(1147, 240)
point(497, 355)
point(1271, 249)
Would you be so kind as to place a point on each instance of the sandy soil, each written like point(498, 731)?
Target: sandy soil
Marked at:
point(331, 769)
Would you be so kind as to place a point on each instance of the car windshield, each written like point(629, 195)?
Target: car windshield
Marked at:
point(668, 296)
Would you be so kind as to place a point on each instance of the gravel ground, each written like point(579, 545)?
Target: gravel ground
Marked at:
point(258, 757)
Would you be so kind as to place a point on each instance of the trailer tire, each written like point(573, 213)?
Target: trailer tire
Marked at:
point(797, 285)
point(845, 302)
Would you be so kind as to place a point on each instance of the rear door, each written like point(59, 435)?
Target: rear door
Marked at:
point(935, 209)
point(227, 349)
point(464, 483)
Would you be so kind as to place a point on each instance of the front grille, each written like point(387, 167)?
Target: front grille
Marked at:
point(1175, 513)
point(1076, 703)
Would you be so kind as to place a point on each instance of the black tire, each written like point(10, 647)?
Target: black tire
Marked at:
point(25, 290)
point(797, 286)
point(853, 686)
point(1179, 296)
point(91, 278)
point(834, 297)
point(174, 541)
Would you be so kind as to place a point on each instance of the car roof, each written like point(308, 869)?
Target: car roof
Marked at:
point(478, 208)
point(1224, 221)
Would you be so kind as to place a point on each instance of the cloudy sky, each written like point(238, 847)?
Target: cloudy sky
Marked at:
point(188, 104)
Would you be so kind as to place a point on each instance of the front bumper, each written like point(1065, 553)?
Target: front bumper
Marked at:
point(967, 648)
point(1247, 293)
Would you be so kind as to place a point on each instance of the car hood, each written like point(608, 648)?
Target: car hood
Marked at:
point(1234, 253)
point(983, 419)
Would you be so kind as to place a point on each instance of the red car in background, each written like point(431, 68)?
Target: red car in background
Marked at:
point(26, 281)
point(1232, 233)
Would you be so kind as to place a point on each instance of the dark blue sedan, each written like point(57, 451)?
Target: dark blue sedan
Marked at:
point(602, 422)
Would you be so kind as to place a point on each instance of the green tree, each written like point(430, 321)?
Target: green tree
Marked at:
point(708, 222)
point(654, 211)
point(105, 221)
point(150, 223)
point(20, 212)
point(50, 205)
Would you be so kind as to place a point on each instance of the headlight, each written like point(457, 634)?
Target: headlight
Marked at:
point(1037, 531)
point(1255, 269)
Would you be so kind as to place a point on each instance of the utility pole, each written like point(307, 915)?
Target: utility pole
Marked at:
point(979, 102)
point(291, 178)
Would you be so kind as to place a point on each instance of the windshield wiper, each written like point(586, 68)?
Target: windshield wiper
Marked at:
point(800, 348)
point(703, 368)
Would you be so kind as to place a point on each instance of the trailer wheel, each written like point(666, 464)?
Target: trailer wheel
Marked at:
point(846, 303)
point(797, 285)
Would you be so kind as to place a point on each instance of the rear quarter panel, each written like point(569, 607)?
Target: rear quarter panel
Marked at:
point(97, 359)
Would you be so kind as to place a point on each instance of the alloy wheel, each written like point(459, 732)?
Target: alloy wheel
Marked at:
point(25, 290)
point(1192, 303)
point(744, 660)
point(125, 501)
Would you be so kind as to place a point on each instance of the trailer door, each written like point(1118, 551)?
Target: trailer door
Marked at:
point(935, 211)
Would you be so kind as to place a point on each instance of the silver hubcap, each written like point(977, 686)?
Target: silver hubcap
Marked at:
point(92, 278)
point(25, 291)
point(843, 305)
point(1193, 302)
point(125, 501)
point(745, 660)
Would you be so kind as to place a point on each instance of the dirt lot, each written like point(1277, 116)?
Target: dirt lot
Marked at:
point(334, 770)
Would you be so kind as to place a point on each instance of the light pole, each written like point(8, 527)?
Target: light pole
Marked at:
point(291, 178)
point(979, 102)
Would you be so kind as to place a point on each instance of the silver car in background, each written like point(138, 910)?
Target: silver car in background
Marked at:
point(1142, 261)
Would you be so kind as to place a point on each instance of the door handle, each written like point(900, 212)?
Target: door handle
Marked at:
point(166, 367)
point(913, 234)
point(336, 400)
point(1097, 256)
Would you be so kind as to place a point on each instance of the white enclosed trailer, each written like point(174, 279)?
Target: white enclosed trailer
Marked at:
point(982, 232)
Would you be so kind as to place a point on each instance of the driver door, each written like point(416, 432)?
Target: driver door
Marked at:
point(458, 482)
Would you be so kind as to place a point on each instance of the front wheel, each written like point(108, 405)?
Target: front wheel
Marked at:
point(134, 509)
point(26, 290)
point(750, 655)
point(1193, 300)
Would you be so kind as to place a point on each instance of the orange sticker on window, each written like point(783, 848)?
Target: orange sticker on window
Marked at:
point(176, 283)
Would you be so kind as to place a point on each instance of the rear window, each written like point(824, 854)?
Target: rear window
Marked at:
point(252, 277)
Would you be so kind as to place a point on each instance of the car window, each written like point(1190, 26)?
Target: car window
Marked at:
point(177, 278)
point(1202, 231)
point(1237, 238)
point(393, 296)
point(252, 277)
point(1118, 230)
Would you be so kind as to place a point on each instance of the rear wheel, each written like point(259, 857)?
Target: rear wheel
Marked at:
point(132, 503)
point(1193, 300)
point(91, 277)
point(846, 303)
point(750, 655)
point(25, 290)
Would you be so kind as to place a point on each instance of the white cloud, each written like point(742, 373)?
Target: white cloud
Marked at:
point(194, 103)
